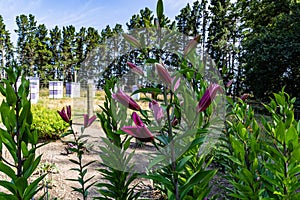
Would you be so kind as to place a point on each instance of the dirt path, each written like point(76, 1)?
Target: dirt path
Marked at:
point(55, 154)
point(56, 159)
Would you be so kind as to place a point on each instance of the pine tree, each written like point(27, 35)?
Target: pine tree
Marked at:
point(6, 48)
point(270, 46)
point(44, 54)
point(26, 45)
point(222, 40)
point(55, 41)
point(67, 47)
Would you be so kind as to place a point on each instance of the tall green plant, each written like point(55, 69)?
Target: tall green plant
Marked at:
point(241, 152)
point(20, 142)
point(115, 163)
point(282, 150)
point(262, 162)
point(77, 145)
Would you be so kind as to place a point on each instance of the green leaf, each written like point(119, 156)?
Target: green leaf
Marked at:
point(9, 186)
point(292, 136)
point(11, 97)
point(74, 161)
point(182, 163)
point(24, 149)
point(33, 166)
point(280, 132)
point(279, 99)
point(157, 177)
point(21, 184)
point(32, 189)
point(2, 90)
point(156, 160)
point(8, 171)
point(159, 10)
point(147, 90)
point(200, 177)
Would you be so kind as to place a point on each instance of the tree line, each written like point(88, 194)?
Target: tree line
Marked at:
point(255, 43)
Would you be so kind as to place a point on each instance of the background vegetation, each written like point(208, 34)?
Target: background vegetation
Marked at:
point(249, 40)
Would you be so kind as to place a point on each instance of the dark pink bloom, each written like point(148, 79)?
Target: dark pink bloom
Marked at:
point(65, 116)
point(163, 74)
point(126, 100)
point(245, 96)
point(208, 97)
point(140, 131)
point(88, 121)
point(191, 45)
point(137, 120)
point(157, 110)
point(135, 69)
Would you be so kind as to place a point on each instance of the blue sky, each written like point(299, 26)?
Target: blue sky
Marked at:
point(95, 13)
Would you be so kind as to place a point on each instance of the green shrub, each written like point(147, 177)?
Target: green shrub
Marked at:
point(47, 122)
point(262, 162)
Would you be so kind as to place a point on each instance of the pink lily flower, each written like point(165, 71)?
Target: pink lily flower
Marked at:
point(157, 110)
point(140, 131)
point(163, 74)
point(126, 100)
point(191, 45)
point(88, 121)
point(65, 116)
point(208, 97)
point(245, 96)
point(135, 69)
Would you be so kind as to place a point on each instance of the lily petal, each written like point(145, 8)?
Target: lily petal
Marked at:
point(63, 115)
point(137, 120)
point(142, 133)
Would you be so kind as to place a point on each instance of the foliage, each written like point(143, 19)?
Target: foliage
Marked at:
point(263, 162)
point(282, 151)
point(270, 48)
point(119, 179)
point(242, 148)
point(47, 122)
point(20, 141)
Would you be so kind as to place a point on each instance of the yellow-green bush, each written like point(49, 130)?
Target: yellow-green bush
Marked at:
point(47, 122)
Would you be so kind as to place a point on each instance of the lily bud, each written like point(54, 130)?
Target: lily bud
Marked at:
point(191, 45)
point(157, 110)
point(65, 116)
point(208, 97)
point(245, 96)
point(163, 74)
point(88, 121)
point(132, 40)
point(135, 69)
point(126, 100)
